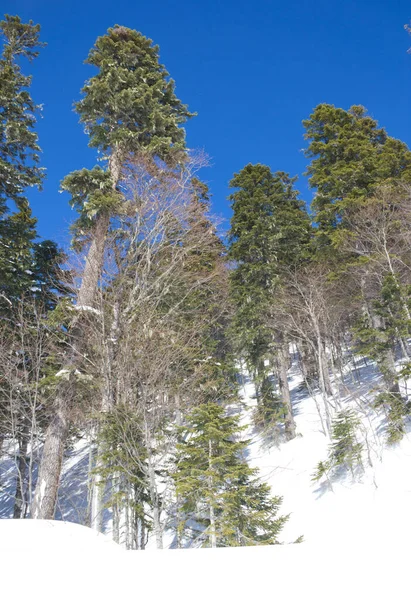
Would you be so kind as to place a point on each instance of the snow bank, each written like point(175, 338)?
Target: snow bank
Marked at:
point(43, 559)
point(29, 535)
point(372, 508)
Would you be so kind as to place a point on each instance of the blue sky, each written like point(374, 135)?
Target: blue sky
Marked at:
point(251, 69)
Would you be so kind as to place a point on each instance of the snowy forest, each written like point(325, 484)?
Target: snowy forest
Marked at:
point(159, 376)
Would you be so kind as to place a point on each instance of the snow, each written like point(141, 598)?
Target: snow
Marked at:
point(45, 560)
point(372, 506)
point(85, 308)
point(63, 373)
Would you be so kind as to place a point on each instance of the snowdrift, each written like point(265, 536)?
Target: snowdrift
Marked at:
point(43, 559)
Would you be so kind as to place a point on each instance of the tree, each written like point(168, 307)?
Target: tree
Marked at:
point(19, 158)
point(350, 156)
point(129, 108)
point(156, 339)
point(378, 239)
point(311, 309)
point(345, 450)
point(217, 488)
point(270, 230)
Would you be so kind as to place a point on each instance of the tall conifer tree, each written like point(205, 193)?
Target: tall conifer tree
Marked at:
point(129, 109)
point(19, 158)
point(351, 156)
point(270, 230)
point(217, 487)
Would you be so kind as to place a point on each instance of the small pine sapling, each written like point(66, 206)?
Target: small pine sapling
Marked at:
point(345, 451)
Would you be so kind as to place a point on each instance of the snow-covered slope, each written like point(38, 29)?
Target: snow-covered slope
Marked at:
point(374, 505)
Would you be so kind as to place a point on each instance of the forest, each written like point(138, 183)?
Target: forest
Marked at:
point(134, 343)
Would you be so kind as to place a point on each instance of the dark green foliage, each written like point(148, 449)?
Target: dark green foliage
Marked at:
point(350, 156)
point(396, 409)
point(270, 232)
point(49, 278)
point(344, 451)
point(130, 112)
point(212, 475)
point(269, 411)
point(131, 103)
point(391, 323)
point(19, 157)
point(92, 195)
point(19, 150)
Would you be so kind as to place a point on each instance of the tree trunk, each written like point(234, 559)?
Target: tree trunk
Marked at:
point(326, 373)
point(283, 364)
point(45, 496)
point(97, 492)
point(213, 536)
point(94, 263)
point(19, 510)
point(152, 485)
point(386, 363)
point(321, 370)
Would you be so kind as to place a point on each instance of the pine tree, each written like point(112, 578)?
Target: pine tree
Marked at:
point(350, 156)
point(130, 112)
point(216, 487)
point(270, 230)
point(19, 158)
point(345, 450)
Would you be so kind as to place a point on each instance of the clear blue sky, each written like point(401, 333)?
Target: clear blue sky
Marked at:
point(252, 69)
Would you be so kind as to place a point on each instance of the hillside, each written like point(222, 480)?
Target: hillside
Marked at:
point(372, 503)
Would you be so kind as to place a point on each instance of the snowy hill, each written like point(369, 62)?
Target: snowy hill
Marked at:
point(372, 505)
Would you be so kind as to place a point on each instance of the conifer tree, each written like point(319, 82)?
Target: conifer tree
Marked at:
point(19, 158)
point(351, 156)
point(345, 451)
point(130, 111)
point(270, 230)
point(216, 486)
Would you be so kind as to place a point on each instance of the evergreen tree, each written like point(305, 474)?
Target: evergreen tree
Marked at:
point(270, 231)
point(345, 450)
point(19, 158)
point(131, 113)
point(350, 156)
point(217, 488)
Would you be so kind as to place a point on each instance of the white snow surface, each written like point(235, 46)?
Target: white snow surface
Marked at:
point(372, 507)
point(42, 560)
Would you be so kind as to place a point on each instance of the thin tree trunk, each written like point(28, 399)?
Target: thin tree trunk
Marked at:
point(20, 496)
point(326, 372)
point(97, 492)
point(116, 513)
point(152, 484)
point(386, 363)
point(108, 401)
point(285, 389)
point(213, 536)
point(321, 371)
